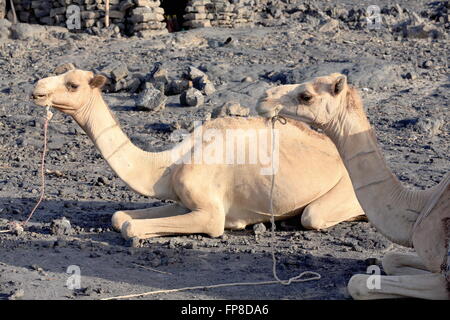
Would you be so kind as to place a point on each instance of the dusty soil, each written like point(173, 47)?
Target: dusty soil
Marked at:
point(410, 115)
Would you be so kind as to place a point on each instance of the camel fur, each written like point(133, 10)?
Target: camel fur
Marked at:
point(413, 218)
point(311, 180)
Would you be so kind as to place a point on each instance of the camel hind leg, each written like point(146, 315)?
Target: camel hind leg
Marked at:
point(120, 217)
point(337, 205)
point(403, 264)
point(431, 286)
point(408, 278)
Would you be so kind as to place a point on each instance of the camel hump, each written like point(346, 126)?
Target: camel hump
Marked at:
point(293, 133)
point(260, 123)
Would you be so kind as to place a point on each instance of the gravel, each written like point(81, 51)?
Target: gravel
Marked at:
point(409, 114)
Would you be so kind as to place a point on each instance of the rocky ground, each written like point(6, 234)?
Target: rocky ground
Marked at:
point(401, 69)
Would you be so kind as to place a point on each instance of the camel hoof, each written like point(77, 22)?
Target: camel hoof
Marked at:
point(118, 219)
point(128, 230)
point(357, 287)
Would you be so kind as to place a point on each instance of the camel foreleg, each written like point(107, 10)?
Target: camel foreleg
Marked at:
point(403, 264)
point(337, 205)
point(197, 221)
point(431, 286)
point(120, 217)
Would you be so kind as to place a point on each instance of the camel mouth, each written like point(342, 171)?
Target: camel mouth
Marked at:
point(265, 110)
point(303, 119)
point(40, 99)
point(268, 114)
point(35, 96)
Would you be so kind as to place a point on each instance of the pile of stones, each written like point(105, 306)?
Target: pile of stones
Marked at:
point(152, 89)
point(440, 13)
point(219, 13)
point(120, 78)
point(199, 86)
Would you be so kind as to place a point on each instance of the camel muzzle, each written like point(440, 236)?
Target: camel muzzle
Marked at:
point(267, 109)
point(40, 99)
point(36, 96)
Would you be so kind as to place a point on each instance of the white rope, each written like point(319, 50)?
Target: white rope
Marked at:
point(297, 278)
point(221, 285)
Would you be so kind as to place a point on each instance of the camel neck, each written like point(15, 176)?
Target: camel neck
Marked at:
point(144, 172)
point(389, 206)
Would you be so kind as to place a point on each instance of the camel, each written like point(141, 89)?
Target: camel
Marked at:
point(207, 197)
point(412, 218)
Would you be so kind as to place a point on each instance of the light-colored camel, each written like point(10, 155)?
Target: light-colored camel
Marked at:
point(408, 217)
point(209, 197)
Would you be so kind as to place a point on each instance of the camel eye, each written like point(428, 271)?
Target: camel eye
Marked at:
point(304, 97)
point(72, 86)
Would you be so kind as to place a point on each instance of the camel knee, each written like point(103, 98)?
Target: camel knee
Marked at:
point(118, 219)
point(357, 287)
point(215, 227)
point(311, 220)
point(391, 263)
point(215, 233)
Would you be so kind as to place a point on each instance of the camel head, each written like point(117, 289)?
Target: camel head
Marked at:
point(315, 102)
point(69, 92)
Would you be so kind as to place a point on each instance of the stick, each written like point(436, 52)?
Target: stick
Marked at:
point(44, 151)
point(13, 11)
point(107, 14)
point(15, 225)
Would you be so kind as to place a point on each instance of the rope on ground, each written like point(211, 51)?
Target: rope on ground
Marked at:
point(298, 278)
point(315, 276)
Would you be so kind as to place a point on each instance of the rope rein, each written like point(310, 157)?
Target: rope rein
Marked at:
point(298, 278)
point(44, 152)
point(20, 225)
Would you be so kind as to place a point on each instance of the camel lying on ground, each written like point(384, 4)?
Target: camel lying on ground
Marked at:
point(311, 179)
point(408, 217)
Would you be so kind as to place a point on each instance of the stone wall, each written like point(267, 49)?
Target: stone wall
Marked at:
point(125, 17)
point(136, 17)
point(219, 13)
point(2, 8)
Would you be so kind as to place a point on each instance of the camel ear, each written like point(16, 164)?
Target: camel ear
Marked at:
point(98, 81)
point(338, 85)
